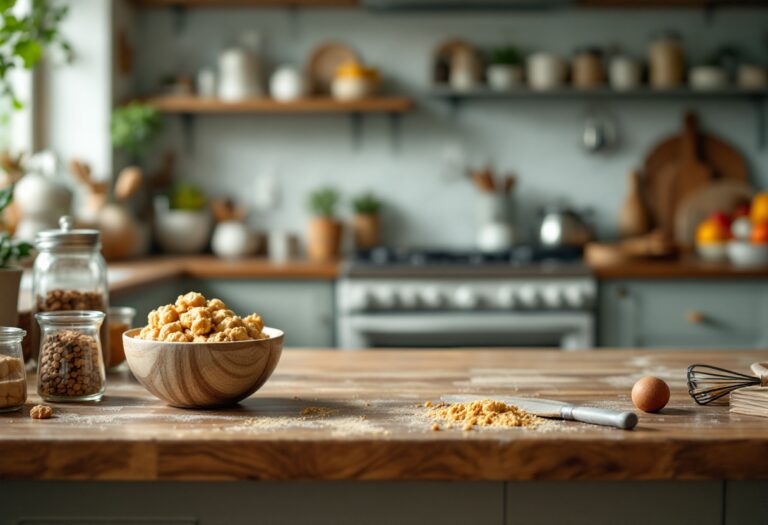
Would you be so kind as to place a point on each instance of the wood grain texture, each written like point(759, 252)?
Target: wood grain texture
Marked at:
point(375, 431)
point(203, 375)
point(187, 104)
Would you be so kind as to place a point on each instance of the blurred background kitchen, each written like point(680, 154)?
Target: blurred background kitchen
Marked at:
point(572, 173)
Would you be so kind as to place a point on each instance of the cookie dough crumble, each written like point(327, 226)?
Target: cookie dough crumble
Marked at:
point(486, 413)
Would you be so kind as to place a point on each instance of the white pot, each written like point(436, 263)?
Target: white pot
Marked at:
point(624, 73)
point(286, 84)
point(752, 77)
point(351, 88)
point(232, 240)
point(707, 78)
point(238, 75)
point(10, 279)
point(39, 196)
point(182, 231)
point(504, 77)
point(495, 237)
point(545, 71)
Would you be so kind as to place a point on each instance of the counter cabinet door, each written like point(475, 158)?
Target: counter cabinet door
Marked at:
point(683, 314)
point(304, 310)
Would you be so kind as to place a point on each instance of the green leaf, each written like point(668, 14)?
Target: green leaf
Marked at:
point(29, 51)
point(6, 197)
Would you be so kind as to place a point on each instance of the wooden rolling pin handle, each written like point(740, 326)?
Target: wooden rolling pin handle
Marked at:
point(761, 371)
point(695, 317)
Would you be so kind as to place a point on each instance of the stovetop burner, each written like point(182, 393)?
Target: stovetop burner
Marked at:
point(523, 255)
point(521, 260)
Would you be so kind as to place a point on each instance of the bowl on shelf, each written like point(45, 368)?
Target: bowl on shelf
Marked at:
point(747, 255)
point(203, 375)
point(712, 252)
point(183, 231)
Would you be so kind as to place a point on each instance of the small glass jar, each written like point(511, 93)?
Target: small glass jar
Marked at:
point(70, 366)
point(666, 63)
point(588, 70)
point(13, 380)
point(120, 319)
point(70, 274)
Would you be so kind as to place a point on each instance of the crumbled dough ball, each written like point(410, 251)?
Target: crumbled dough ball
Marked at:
point(487, 413)
point(193, 319)
point(41, 412)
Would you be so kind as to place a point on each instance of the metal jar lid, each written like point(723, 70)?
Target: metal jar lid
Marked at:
point(66, 236)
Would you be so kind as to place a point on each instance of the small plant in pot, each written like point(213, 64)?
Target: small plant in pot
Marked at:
point(11, 253)
point(324, 241)
point(505, 69)
point(365, 223)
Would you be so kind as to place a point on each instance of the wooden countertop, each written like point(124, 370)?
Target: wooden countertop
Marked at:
point(375, 430)
point(686, 268)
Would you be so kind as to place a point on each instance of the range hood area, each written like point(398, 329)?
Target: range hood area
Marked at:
point(463, 5)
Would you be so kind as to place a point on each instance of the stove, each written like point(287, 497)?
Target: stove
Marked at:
point(526, 296)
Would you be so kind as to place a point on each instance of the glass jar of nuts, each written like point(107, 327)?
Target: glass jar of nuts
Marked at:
point(70, 274)
point(70, 366)
point(13, 380)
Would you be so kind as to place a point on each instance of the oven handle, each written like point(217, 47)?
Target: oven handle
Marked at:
point(559, 322)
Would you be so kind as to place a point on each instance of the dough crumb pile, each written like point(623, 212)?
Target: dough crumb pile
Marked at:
point(193, 319)
point(486, 413)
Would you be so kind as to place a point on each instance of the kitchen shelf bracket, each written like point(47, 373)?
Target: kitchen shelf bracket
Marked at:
point(356, 128)
point(395, 131)
point(188, 131)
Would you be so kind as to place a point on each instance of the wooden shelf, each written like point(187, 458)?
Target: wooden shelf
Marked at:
point(245, 3)
point(451, 94)
point(196, 105)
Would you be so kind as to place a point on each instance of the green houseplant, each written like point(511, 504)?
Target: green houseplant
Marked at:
point(324, 236)
point(365, 224)
point(11, 253)
point(505, 69)
point(133, 128)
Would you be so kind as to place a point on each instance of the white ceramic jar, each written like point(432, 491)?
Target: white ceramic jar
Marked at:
point(238, 74)
point(287, 84)
point(233, 240)
point(504, 77)
point(750, 76)
point(707, 78)
point(624, 73)
point(545, 71)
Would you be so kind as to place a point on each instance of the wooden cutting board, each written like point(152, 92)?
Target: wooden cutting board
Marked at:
point(661, 166)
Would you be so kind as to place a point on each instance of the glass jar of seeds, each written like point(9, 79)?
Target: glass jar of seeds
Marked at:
point(13, 380)
point(70, 364)
point(70, 274)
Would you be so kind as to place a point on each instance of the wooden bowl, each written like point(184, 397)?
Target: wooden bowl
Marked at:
point(203, 375)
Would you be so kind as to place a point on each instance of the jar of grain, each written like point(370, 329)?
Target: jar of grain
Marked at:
point(588, 70)
point(666, 64)
point(13, 380)
point(120, 320)
point(70, 274)
point(70, 365)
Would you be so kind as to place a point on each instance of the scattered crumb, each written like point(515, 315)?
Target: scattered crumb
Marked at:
point(41, 412)
point(296, 398)
point(428, 404)
point(486, 413)
point(436, 427)
point(317, 411)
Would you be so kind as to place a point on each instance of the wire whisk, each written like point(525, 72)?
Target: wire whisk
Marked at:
point(710, 384)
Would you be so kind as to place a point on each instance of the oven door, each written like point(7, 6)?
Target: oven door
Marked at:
point(567, 330)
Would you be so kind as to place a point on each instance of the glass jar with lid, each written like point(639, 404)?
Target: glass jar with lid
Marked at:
point(70, 274)
point(666, 62)
point(70, 367)
point(13, 380)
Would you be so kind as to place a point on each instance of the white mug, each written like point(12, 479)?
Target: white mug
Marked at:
point(545, 71)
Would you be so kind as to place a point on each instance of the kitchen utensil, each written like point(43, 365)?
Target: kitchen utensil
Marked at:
point(744, 254)
point(197, 375)
point(724, 196)
point(710, 384)
point(128, 182)
point(652, 245)
point(483, 179)
point(725, 161)
point(561, 226)
point(599, 132)
point(559, 410)
point(633, 217)
point(323, 62)
point(545, 71)
point(692, 173)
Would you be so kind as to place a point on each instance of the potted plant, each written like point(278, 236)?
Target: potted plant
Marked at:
point(365, 224)
point(505, 69)
point(11, 252)
point(324, 242)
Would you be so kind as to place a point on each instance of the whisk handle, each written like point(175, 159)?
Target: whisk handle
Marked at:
point(600, 416)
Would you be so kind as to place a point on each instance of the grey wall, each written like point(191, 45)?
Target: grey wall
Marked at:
point(536, 139)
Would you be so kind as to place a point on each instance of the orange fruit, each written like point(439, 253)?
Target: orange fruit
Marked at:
point(711, 232)
point(759, 211)
point(759, 233)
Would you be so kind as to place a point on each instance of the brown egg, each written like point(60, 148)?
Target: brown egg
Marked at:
point(650, 394)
